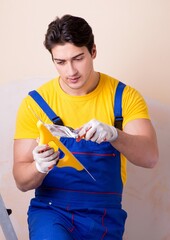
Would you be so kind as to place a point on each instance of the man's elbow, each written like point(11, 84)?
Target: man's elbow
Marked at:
point(152, 164)
point(21, 188)
point(153, 160)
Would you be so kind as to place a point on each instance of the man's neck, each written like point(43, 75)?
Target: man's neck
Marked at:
point(89, 87)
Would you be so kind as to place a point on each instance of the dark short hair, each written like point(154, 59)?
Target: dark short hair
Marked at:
point(69, 29)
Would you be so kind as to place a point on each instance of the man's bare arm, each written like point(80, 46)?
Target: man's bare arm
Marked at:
point(24, 170)
point(138, 143)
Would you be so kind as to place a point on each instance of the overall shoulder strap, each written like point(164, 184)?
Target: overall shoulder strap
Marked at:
point(45, 107)
point(118, 105)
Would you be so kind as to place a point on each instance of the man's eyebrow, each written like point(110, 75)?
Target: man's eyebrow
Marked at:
point(78, 55)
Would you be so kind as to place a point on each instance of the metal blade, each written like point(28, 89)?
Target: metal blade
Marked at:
point(89, 173)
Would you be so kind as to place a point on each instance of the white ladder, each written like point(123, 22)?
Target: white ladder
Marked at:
point(5, 222)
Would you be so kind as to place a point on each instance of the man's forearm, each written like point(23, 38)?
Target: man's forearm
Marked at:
point(26, 176)
point(139, 150)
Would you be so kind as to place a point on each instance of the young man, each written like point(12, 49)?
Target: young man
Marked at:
point(69, 204)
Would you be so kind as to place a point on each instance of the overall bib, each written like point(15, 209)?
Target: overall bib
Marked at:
point(70, 205)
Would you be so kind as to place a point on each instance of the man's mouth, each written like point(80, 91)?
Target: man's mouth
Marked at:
point(74, 80)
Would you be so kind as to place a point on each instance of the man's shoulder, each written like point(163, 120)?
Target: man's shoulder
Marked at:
point(109, 82)
point(47, 86)
point(108, 77)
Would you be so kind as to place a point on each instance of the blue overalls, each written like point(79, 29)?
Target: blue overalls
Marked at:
point(69, 205)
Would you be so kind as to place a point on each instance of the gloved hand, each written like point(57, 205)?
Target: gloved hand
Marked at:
point(97, 132)
point(45, 158)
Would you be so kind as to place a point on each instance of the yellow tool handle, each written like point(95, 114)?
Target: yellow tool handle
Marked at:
point(68, 160)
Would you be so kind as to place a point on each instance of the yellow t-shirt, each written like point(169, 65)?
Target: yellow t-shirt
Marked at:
point(78, 110)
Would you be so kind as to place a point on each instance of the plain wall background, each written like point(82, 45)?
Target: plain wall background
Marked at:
point(133, 43)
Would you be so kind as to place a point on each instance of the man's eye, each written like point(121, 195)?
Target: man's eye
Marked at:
point(60, 62)
point(78, 58)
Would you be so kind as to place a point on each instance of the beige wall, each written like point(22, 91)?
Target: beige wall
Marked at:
point(133, 42)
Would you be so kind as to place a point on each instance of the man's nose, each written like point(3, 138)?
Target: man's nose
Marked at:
point(71, 70)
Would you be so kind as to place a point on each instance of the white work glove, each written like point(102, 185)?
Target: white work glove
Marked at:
point(45, 158)
point(98, 132)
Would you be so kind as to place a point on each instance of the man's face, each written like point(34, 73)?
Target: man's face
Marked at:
point(75, 67)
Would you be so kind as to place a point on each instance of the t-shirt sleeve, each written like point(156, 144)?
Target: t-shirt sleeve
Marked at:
point(134, 106)
point(26, 121)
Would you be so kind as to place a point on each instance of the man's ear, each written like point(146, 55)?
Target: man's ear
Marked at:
point(94, 51)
